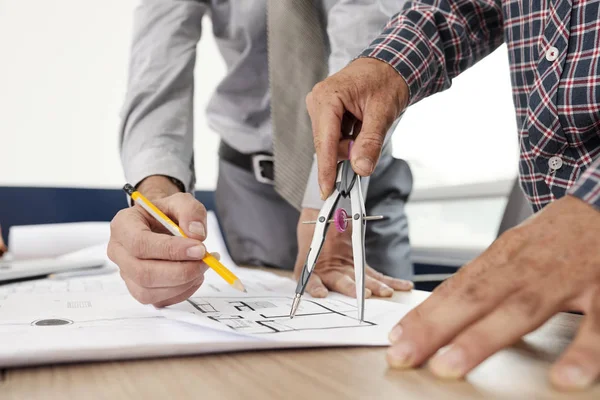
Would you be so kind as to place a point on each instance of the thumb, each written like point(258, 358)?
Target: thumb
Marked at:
point(187, 212)
point(369, 141)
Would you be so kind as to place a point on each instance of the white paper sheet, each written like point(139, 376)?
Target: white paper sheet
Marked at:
point(38, 250)
point(53, 240)
point(95, 318)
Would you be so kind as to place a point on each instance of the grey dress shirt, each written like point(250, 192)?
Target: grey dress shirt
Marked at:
point(157, 129)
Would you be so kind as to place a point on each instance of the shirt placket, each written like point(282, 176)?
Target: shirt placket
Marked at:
point(547, 135)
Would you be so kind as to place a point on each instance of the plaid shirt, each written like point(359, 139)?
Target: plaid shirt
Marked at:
point(554, 53)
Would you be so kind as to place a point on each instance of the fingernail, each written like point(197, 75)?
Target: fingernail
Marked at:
point(573, 377)
point(409, 285)
point(198, 252)
point(216, 255)
point(401, 355)
point(323, 195)
point(386, 291)
point(364, 165)
point(197, 228)
point(449, 363)
point(350, 143)
point(320, 292)
point(395, 334)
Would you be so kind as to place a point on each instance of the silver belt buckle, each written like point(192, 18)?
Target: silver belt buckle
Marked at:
point(258, 171)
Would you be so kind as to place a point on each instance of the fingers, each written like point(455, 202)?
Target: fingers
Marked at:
point(326, 114)
point(369, 142)
point(181, 297)
point(463, 298)
point(382, 285)
point(394, 283)
point(131, 229)
point(366, 90)
point(341, 282)
point(518, 315)
point(315, 287)
point(162, 296)
point(458, 302)
point(378, 288)
point(156, 273)
point(187, 212)
point(579, 366)
point(160, 269)
point(147, 245)
point(344, 147)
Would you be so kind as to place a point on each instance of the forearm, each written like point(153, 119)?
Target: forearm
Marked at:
point(431, 41)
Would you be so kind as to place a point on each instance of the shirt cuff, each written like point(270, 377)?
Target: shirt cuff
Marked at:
point(587, 187)
point(406, 48)
point(155, 161)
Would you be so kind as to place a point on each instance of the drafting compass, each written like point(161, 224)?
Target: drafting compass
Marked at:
point(347, 184)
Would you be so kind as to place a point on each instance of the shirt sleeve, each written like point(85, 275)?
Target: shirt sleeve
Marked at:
point(587, 187)
point(157, 116)
point(430, 42)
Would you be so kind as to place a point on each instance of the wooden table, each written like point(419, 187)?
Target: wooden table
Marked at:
point(351, 373)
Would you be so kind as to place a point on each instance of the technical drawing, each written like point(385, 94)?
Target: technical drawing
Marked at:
point(258, 315)
point(204, 307)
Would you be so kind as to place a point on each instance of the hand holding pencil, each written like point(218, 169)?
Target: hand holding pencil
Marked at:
point(158, 267)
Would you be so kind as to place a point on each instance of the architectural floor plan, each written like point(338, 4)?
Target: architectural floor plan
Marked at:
point(261, 315)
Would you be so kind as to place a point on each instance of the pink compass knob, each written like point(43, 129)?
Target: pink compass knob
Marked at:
point(339, 218)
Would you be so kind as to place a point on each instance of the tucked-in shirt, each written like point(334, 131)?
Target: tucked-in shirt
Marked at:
point(157, 127)
point(553, 49)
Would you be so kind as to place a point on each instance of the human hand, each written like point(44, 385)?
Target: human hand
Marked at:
point(362, 100)
point(335, 266)
point(3, 248)
point(549, 263)
point(159, 268)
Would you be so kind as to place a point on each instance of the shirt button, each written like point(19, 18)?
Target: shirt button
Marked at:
point(552, 54)
point(555, 163)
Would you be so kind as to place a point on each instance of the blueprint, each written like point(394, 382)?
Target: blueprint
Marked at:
point(95, 318)
point(259, 315)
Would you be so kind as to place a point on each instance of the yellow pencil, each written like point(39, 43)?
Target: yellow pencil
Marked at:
point(210, 260)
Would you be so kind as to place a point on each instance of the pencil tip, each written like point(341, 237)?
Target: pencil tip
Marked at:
point(239, 286)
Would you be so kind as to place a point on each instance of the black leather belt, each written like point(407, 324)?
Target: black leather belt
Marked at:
point(260, 164)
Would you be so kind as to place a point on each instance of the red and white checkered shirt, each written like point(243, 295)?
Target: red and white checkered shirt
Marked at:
point(554, 53)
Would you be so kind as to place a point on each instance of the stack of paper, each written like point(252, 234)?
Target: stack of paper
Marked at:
point(55, 240)
point(86, 319)
point(40, 250)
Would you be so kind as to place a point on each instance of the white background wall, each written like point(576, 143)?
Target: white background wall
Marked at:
point(63, 72)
